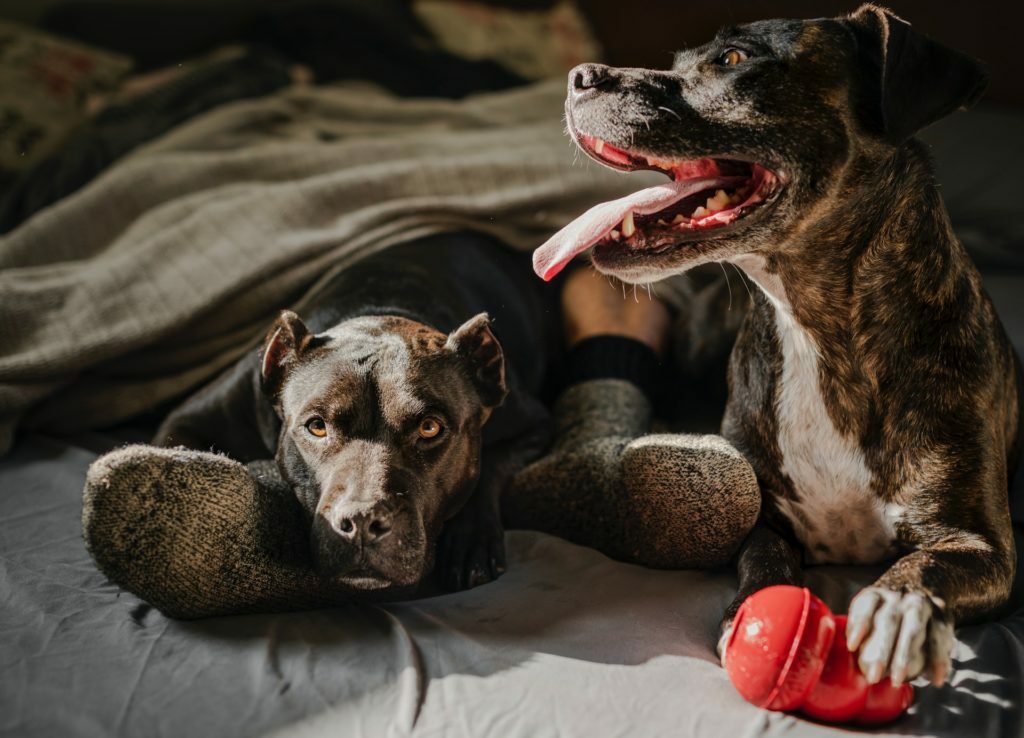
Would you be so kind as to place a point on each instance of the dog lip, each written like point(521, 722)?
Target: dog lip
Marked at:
point(607, 251)
point(363, 577)
point(635, 161)
point(655, 219)
point(594, 147)
point(625, 160)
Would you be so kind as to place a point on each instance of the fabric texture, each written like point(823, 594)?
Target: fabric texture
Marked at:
point(44, 84)
point(165, 269)
point(118, 129)
point(662, 500)
point(197, 534)
point(566, 643)
point(616, 357)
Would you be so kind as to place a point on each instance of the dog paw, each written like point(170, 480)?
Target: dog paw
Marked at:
point(471, 552)
point(723, 640)
point(902, 634)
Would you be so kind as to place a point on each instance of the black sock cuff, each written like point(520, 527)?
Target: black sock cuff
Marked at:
point(615, 357)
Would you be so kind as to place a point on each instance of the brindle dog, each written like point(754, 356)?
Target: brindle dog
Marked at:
point(872, 386)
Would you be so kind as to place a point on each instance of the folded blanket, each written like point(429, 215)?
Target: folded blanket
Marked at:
point(169, 266)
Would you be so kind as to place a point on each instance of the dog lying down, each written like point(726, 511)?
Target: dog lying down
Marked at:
point(872, 386)
point(393, 413)
point(379, 434)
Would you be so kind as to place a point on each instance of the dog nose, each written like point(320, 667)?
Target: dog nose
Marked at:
point(367, 526)
point(587, 79)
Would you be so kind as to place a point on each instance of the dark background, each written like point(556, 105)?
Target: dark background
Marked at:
point(644, 32)
point(633, 32)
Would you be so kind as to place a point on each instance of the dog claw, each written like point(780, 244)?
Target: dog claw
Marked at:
point(722, 641)
point(899, 633)
point(874, 672)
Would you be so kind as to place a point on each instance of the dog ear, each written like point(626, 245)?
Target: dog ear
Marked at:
point(910, 81)
point(474, 343)
point(285, 340)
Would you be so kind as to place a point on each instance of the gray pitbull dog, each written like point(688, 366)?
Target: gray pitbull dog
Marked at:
point(392, 411)
point(872, 386)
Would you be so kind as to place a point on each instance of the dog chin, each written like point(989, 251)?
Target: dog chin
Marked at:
point(365, 581)
point(639, 268)
point(643, 268)
point(368, 579)
point(376, 572)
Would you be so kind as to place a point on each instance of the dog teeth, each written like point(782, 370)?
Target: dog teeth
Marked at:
point(700, 212)
point(614, 234)
point(720, 201)
point(628, 227)
point(680, 218)
point(599, 146)
point(661, 222)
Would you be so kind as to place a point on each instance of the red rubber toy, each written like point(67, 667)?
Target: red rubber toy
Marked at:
point(788, 651)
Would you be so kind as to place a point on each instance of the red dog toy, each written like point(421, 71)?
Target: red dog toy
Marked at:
point(787, 651)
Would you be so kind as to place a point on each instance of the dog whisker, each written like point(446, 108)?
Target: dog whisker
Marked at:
point(670, 111)
point(743, 279)
point(727, 284)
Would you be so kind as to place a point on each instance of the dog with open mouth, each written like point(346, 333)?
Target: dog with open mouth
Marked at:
point(872, 386)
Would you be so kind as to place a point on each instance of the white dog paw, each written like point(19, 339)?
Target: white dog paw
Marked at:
point(722, 643)
point(899, 634)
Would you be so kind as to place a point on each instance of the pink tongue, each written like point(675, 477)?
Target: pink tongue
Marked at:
point(593, 225)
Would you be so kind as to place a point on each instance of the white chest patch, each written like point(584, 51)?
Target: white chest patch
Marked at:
point(836, 514)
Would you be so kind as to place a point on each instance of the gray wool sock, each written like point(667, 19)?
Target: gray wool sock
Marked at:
point(197, 534)
point(663, 500)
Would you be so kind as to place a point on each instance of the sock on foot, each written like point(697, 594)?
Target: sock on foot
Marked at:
point(197, 534)
point(664, 500)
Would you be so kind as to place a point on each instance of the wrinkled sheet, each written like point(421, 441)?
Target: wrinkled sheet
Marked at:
point(169, 266)
point(566, 643)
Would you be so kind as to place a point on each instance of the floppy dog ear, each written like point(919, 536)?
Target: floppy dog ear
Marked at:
point(474, 342)
point(909, 80)
point(285, 340)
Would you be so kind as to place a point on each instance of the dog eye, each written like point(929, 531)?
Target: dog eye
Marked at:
point(430, 427)
point(317, 427)
point(732, 57)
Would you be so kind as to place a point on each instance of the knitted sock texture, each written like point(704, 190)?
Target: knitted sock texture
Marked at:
point(664, 500)
point(196, 534)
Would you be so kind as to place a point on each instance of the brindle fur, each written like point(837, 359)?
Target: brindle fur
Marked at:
point(914, 367)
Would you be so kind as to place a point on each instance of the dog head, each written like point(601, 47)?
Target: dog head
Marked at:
point(381, 434)
point(755, 131)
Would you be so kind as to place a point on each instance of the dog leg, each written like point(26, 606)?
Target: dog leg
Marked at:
point(903, 624)
point(765, 559)
point(229, 415)
point(471, 549)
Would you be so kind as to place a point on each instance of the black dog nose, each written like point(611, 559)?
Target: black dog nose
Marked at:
point(589, 78)
point(366, 526)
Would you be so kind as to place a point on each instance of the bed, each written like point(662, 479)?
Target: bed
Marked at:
point(566, 643)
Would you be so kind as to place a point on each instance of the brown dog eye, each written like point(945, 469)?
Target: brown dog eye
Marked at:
point(732, 57)
point(430, 428)
point(317, 427)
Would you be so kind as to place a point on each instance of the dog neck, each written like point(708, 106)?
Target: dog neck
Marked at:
point(888, 243)
point(890, 219)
